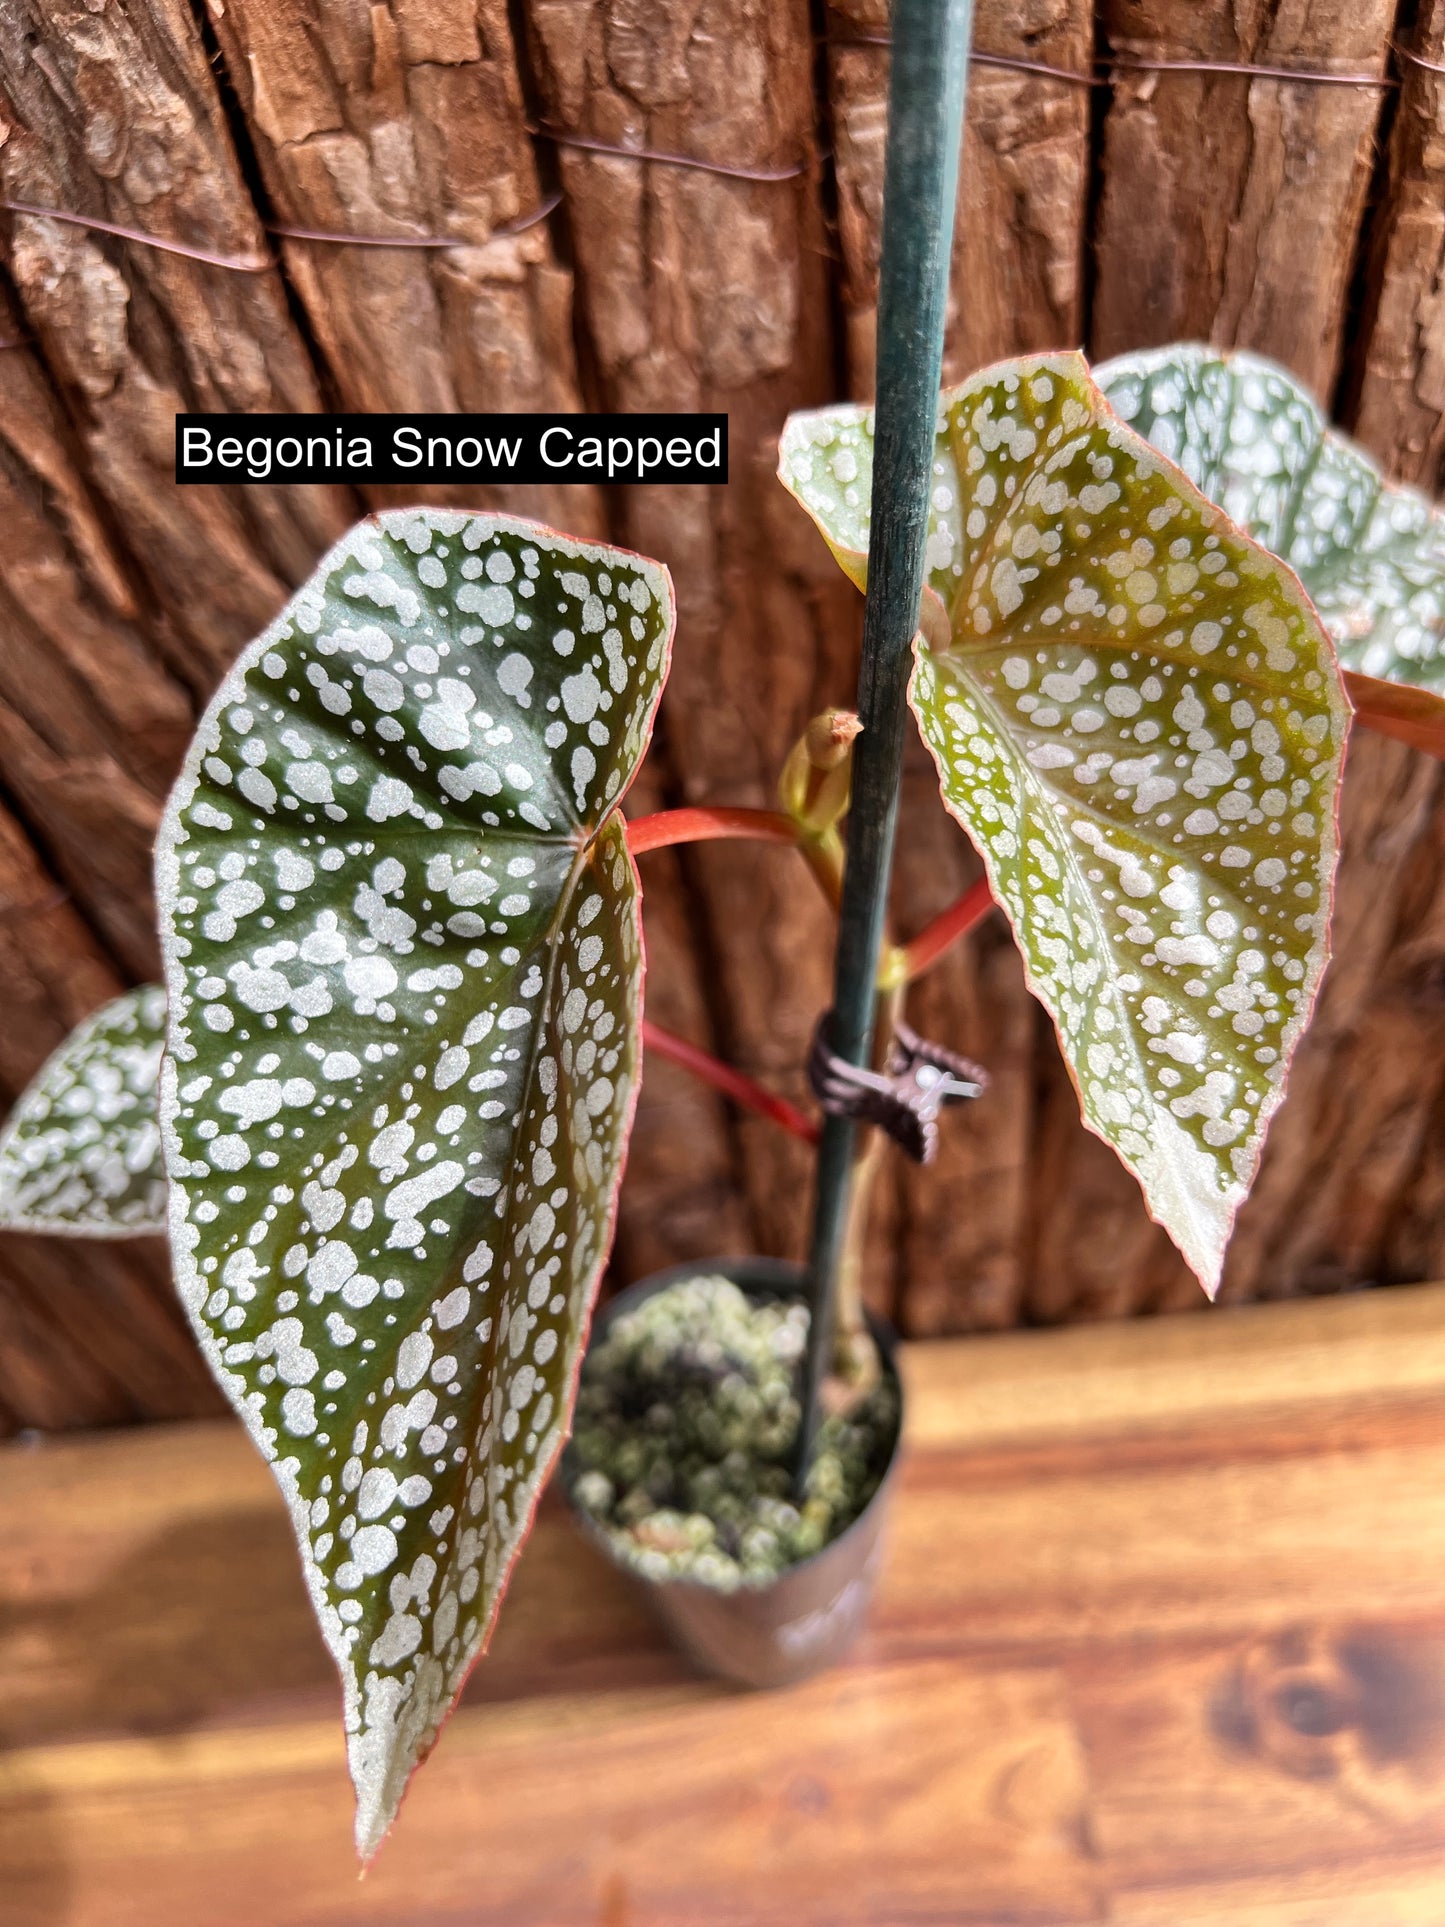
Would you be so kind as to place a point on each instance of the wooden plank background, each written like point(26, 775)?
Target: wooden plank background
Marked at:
point(1297, 218)
point(1159, 1641)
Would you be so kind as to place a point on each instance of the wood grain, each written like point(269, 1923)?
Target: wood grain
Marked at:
point(1017, 282)
point(1160, 1640)
point(1231, 206)
point(92, 725)
point(1396, 396)
point(409, 121)
point(55, 972)
point(121, 119)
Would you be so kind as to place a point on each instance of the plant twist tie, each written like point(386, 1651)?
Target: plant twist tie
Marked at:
point(904, 1098)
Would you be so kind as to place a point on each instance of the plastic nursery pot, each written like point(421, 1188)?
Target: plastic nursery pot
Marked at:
point(806, 1618)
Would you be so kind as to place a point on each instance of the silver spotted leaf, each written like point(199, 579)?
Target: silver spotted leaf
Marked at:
point(404, 956)
point(81, 1151)
point(1370, 555)
point(1137, 717)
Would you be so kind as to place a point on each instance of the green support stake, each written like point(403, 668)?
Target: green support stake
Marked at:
point(925, 127)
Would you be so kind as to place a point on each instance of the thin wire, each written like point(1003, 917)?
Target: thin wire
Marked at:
point(517, 226)
point(1312, 77)
point(257, 264)
point(241, 263)
point(591, 146)
point(290, 233)
point(1418, 60)
point(1067, 76)
point(1017, 64)
point(1075, 77)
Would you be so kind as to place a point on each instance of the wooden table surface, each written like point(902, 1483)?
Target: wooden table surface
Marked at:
point(1161, 1643)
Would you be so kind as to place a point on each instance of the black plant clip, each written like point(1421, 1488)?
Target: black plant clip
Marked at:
point(904, 1098)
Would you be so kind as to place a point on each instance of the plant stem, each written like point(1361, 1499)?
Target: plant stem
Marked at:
point(925, 124)
point(821, 850)
point(855, 1356)
point(666, 827)
point(823, 855)
point(732, 1083)
point(936, 939)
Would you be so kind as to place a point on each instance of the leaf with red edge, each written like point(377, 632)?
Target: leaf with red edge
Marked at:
point(1138, 718)
point(1370, 554)
point(404, 959)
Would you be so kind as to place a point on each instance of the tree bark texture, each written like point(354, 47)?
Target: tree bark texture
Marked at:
point(113, 111)
point(91, 723)
point(1295, 218)
point(409, 121)
point(1398, 408)
point(1231, 206)
point(1018, 258)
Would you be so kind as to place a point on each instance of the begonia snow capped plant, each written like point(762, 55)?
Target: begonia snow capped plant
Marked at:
point(401, 922)
point(383, 1100)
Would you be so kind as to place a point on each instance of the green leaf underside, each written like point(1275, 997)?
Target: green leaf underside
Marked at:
point(1137, 717)
point(81, 1153)
point(405, 970)
point(1370, 555)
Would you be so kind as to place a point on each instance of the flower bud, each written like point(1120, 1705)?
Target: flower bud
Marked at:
point(813, 787)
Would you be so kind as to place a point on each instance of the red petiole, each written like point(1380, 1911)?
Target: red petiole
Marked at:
point(901, 964)
point(936, 938)
point(730, 1082)
point(706, 825)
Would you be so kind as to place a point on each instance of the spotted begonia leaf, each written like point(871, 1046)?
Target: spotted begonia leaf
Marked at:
point(1370, 555)
point(81, 1151)
point(1137, 716)
point(405, 968)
